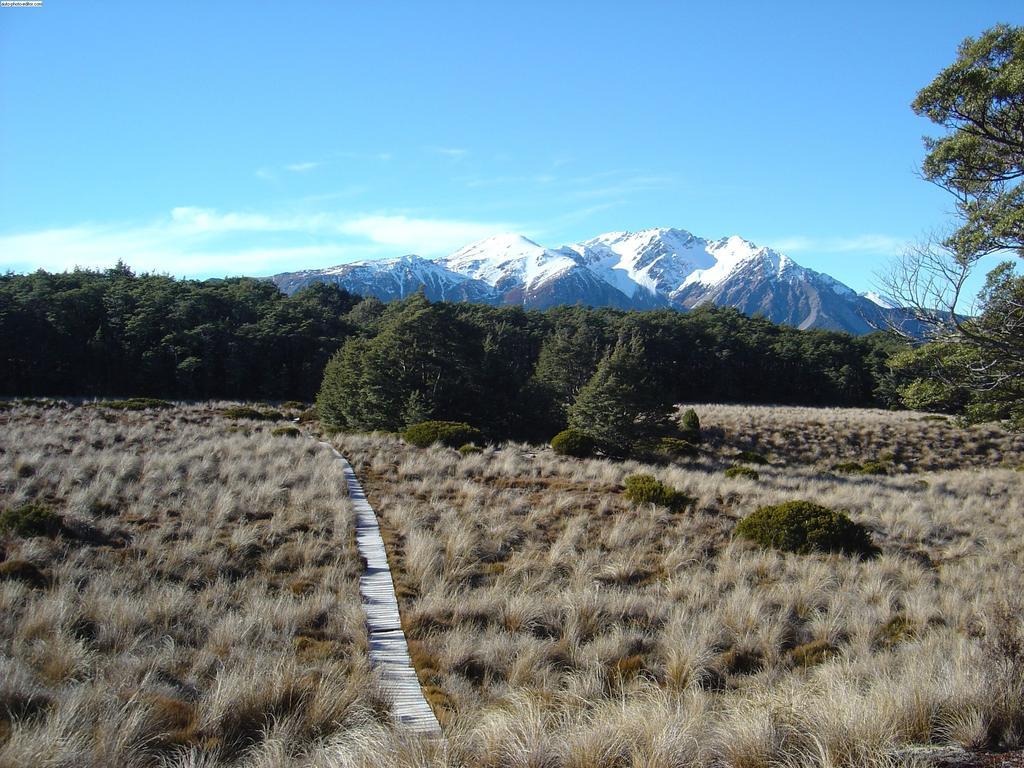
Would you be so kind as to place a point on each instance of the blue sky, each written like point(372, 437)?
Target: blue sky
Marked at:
point(213, 138)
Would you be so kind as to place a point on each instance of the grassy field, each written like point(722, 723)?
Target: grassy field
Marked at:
point(179, 588)
point(555, 623)
point(823, 436)
point(193, 597)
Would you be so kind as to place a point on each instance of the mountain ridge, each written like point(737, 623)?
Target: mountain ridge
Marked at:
point(649, 269)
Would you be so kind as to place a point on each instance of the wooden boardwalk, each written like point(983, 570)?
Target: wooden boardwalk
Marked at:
point(389, 653)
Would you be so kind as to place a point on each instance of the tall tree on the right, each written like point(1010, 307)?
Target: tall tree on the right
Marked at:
point(979, 101)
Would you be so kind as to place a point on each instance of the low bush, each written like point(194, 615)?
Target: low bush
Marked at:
point(689, 426)
point(675, 448)
point(573, 442)
point(741, 471)
point(751, 457)
point(804, 527)
point(308, 415)
point(449, 433)
point(293, 405)
point(286, 431)
point(32, 519)
point(646, 489)
point(469, 448)
point(134, 404)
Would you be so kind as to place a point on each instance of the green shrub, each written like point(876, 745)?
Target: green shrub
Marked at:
point(856, 468)
point(308, 415)
point(646, 489)
point(741, 471)
point(32, 519)
point(675, 448)
point(288, 431)
point(469, 448)
point(573, 442)
point(751, 457)
point(874, 468)
point(134, 404)
point(689, 426)
point(803, 527)
point(293, 405)
point(449, 433)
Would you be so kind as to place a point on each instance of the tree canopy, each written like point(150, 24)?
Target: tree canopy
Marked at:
point(115, 333)
point(975, 361)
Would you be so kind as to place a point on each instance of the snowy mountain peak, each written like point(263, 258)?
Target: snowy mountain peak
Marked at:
point(504, 258)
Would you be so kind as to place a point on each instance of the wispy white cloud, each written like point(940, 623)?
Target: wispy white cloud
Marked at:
point(455, 152)
point(425, 236)
point(301, 167)
point(867, 243)
point(195, 241)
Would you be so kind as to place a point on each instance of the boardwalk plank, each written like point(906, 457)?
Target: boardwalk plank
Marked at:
point(389, 651)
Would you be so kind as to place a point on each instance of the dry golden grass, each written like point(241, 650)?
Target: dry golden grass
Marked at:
point(558, 625)
point(823, 436)
point(199, 605)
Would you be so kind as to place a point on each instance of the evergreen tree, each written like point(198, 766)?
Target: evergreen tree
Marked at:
point(619, 406)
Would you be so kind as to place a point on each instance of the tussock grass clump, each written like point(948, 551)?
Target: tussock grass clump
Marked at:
point(253, 414)
point(813, 653)
point(739, 470)
point(751, 457)
point(822, 436)
point(24, 571)
point(134, 404)
point(448, 433)
point(288, 431)
point(573, 442)
point(32, 519)
point(804, 527)
point(646, 489)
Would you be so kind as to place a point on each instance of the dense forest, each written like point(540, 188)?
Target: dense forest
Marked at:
point(114, 333)
point(508, 371)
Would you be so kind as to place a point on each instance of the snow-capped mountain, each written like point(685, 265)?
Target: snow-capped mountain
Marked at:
point(629, 270)
point(389, 279)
